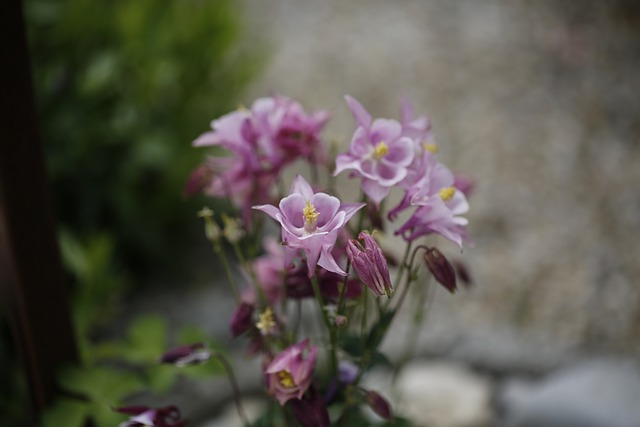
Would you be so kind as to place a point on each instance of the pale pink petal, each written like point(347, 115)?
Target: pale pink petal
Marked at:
point(362, 116)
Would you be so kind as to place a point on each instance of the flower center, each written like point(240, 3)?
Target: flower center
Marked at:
point(380, 150)
point(310, 217)
point(447, 193)
point(266, 322)
point(286, 380)
point(432, 148)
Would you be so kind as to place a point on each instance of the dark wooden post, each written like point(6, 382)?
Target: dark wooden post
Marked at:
point(31, 278)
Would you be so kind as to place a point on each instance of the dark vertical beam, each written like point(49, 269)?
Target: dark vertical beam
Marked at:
point(31, 277)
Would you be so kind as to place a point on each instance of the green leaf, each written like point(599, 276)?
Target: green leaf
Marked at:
point(161, 377)
point(378, 330)
point(101, 384)
point(66, 412)
point(147, 336)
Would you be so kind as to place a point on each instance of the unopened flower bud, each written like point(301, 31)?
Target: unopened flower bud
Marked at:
point(211, 229)
point(379, 405)
point(369, 264)
point(441, 269)
point(341, 321)
point(242, 319)
point(193, 354)
point(232, 231)
point(200, 178)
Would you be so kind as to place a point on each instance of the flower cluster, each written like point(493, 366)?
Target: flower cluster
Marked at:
point(328, 249)
point(263, 140)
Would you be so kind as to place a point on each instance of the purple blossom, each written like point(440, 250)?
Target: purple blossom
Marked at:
point(370, 264)
point(288, 376)
point(192, 354)
point(143, 416)
point(273, 133)
point(379, 153)
point(439, 204)
point(311, 222)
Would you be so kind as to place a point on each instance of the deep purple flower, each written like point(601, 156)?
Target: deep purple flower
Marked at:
point(242, 319)
point(186, 355)
point(298, 285)
point(143, 416)
point(311, 410)
point(379, 405)
point(288, 376)
point(370, 264)
point(441, 269)
point(311, 222)
point(379, 153)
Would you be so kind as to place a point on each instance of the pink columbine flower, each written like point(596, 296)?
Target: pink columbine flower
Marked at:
point(379, 153)
point(439, 204)
point(289, 374)
point(311, 222)
point(370, 264)
point(143, 416)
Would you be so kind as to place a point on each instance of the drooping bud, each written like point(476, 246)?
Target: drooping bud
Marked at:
point(200, 178)
point(187, 355)
point(242, 319)
point(441, 269)
point(379, 405)
point(370, 264)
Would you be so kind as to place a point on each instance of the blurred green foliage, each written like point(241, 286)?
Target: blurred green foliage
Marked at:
point(122, 88)
point(113, 370)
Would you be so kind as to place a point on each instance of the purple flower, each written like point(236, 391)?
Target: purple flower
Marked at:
point(439, 204)
point(187, 355)
point(370, 264)
point(311, 222)
point(275, 132)
point(286, 131)
point(379, 153)
point(311, 410)
point(143, 416)
point(289, 374)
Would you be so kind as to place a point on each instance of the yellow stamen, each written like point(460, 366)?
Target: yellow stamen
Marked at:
point(286, 379)
point(380, 150)
point(241, 107)
point(266, 321)
point(310, 214)
point(432, 148)
point(447, 193)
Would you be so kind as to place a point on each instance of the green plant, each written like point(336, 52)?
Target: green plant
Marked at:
point(122, 88)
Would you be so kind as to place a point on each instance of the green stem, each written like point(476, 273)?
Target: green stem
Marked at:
point(217, 248)
point(343, 291)
point(252, 275)
point(234, 385)
point(333, 355)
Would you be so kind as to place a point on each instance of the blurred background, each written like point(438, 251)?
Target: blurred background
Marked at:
point(537, 101)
